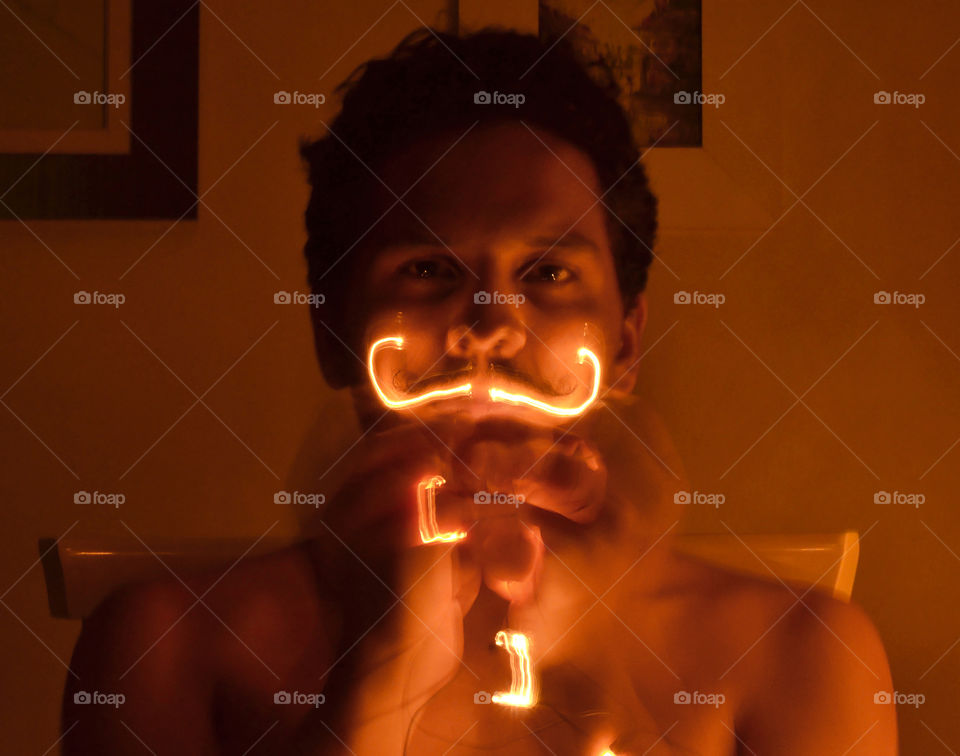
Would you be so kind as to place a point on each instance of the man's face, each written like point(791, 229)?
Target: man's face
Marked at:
point(499, 271)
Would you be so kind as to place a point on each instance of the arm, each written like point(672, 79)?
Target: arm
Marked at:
point(817, 695)
point(167, 689)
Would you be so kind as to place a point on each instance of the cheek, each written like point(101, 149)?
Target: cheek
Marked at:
point(423, 330)
point(553, 344)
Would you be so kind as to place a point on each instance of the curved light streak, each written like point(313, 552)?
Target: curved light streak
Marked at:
point(397, 343)
point(427, 513)
point(521, 686)
point(496, 394)
point(583, 354)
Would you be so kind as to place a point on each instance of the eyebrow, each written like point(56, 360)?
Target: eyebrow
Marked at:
point(573, 241)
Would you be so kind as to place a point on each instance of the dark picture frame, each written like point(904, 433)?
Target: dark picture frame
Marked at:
point(157, 177)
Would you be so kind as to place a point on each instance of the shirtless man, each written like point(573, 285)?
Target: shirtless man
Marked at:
point(389, 641)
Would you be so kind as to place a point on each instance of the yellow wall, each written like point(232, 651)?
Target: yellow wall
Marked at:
point(880, 419)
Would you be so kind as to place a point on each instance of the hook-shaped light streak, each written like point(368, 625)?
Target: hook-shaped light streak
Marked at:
point(522, 691)
point(496, 394)
point(397, 343)
point(583, 354)
point(427, 512)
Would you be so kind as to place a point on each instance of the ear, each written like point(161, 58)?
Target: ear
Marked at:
point(626, 362)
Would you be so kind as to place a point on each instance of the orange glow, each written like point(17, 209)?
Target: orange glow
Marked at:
point(521, 686)
point(396, 342)
point(583, 354)
point(466, 389)
point(427, 513)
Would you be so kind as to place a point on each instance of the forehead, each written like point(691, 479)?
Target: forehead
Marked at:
point(498, 180)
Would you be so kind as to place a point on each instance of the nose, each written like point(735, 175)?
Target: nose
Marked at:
point(496, 333)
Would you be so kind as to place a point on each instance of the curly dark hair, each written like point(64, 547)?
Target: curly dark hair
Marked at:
point(426, 87)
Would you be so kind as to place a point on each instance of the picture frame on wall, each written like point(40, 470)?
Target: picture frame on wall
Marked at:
point(664, 62)
point(111, 132)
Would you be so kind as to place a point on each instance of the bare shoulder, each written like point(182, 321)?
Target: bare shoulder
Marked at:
point(167, 645)
point(253, 598)
point(808, 665)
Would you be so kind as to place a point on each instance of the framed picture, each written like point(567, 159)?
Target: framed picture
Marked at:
point(105, 122)
point(661, 56)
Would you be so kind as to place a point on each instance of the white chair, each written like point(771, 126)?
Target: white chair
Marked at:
point(81, 572)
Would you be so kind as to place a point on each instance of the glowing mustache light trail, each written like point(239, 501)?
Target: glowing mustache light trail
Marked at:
point(466, 389)
point(521, 686)
point(397, 343)
point(583, 354)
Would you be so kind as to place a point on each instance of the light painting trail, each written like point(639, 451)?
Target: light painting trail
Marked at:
point(396, 342)
point(427, 513)
point(583, 354)
point(496, 394)
point(521, 692)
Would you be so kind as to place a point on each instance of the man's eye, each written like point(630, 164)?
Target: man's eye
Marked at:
point(428, 269)
point(548, 273)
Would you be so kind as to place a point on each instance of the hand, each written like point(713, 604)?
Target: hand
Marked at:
point(601, 563)
point(401, 602)
point(545, 476)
